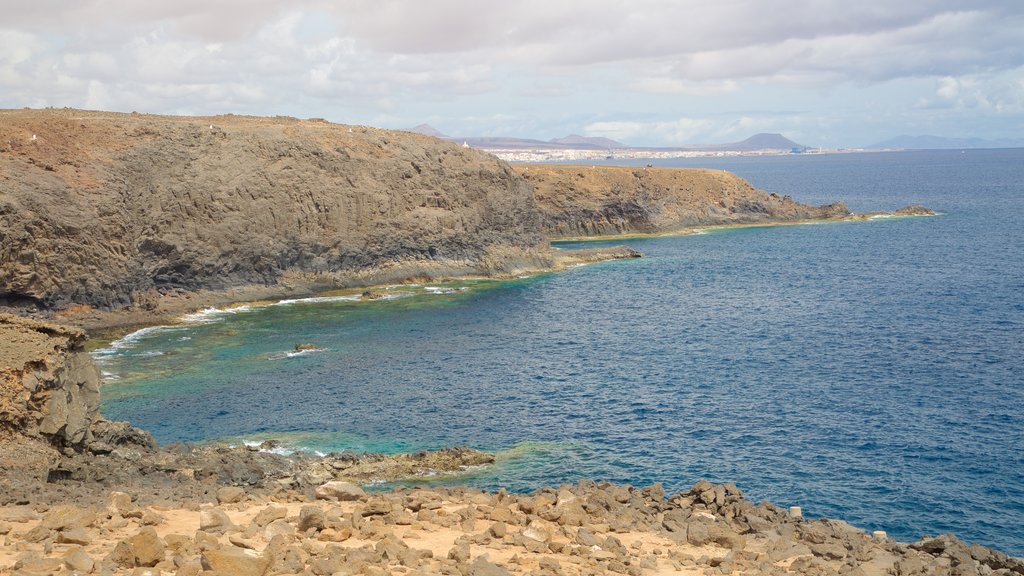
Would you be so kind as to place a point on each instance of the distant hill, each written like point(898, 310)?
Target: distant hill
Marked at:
point(596, 141)
point(762, 141)
point(427, 130)
point(927, 142)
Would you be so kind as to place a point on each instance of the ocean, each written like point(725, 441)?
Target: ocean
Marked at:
point(868, 371)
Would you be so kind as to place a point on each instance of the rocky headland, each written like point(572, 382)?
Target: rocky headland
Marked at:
point(111, 219)
point(581, 201)
point(116, 211)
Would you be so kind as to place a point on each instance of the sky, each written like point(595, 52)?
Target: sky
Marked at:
point(831, 73)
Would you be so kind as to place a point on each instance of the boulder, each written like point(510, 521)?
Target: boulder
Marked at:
point(214, 520)
point(230, 495)
point(311, 517)
point(269, 514)
point(338, 490)
point(66, 516)
point(234, 562)
point(78, 560)
point(147, 547)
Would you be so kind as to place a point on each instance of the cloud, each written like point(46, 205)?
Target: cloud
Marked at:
point(360, 58)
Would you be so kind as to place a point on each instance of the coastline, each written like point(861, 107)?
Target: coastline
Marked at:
point(703, 228)
point(168, 309)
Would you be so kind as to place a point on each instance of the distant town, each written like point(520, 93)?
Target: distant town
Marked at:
point(575, 148)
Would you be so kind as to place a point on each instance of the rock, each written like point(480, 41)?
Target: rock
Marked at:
point(74, 536)
point(122, 556)
point(915, 210)
point(829, 550)
point(459, 552)
point(697, 534)
point(338, 490)
point(78, 560)
point(538, 531)
point(498, 530)
point(214, 520)
point(484, 567)
point(147, 547)
point(235, 562)
point(119, 504)
point(269, 514)
point(37, 566)
point(37, 534)
point(230, 495)
point(311, 517)
point(279, 528)
point(65, 517)
point(586, 538)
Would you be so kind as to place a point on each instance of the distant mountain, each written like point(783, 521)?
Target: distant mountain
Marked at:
point(427, 130)
point(595, 141)
point(927, 142)
point(763, 141)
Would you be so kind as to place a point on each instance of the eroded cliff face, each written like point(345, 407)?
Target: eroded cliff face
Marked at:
point(111, 209)
point(49, 386)
point(602, 200)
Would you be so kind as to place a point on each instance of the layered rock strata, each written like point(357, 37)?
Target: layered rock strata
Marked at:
point(577, 201)
point(112, 210)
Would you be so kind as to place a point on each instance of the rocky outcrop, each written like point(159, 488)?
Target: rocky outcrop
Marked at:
point(49, 386)
point(606, 200)
point(113, 210)
point(49, 390)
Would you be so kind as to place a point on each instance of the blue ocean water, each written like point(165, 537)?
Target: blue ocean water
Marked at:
point(869, 371)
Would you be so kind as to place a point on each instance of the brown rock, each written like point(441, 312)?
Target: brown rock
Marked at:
point(269, 514)
point(234, 562)
point(230, 495)
point(74, 536)
point(214, 520)
point(147, 547)
point(311, 517)
point(498, 530)
point(37, 534)
point(64, 517)
point(79, 560)
point(484, 567)
point(338, 490)
point(119, 503)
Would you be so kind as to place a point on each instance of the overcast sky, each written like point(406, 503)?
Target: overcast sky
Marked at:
point(834, 73)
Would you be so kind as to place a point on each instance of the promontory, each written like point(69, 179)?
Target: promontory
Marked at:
point(115, 211)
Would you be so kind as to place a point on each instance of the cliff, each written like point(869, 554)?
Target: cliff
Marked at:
point(110, 209)
point(50, 394)
point(604, 200)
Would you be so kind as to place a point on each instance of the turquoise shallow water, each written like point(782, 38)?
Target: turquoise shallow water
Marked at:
point(868, 371)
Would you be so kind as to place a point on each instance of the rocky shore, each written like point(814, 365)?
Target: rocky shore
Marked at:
point(581, 529)
point(82, 495)
point(119, 219)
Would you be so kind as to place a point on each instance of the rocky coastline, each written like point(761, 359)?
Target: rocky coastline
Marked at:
point(82, 495)
point(112, 220)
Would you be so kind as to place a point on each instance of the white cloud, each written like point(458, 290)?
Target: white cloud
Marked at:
point(584, 60)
